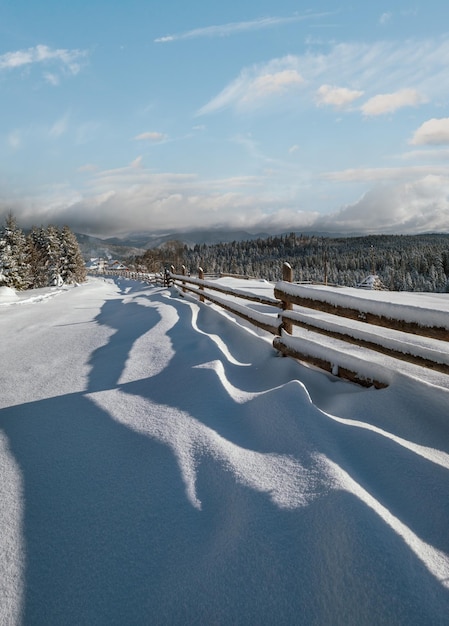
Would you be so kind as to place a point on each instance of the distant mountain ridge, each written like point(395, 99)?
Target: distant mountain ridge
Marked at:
point(189, 238)
point(135, 243)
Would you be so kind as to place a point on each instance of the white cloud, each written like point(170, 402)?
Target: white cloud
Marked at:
point(395, 202)
point(384, 174)
point(257, 84)
point(376, 69)
point(293, 149)
point(137, 163)
point(434, 131)
point(437, 154)
point(413, 207)
point(269, 84)
point(154, 137)
point(232, 28)
point(69, 60)
point(391, 102)
point(177, 202)
point(157, 201)
point(338, 97)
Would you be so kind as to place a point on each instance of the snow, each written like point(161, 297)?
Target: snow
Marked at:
point(160, 464)
point(10, 296)
point(7, 294)
point(427, 309)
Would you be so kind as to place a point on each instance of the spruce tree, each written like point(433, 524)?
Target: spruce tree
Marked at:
point(14, 265)
point(53, 254)
point(38, 256)
point(72, 266)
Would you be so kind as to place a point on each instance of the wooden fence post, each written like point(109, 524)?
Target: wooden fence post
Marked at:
point(172, 270)
point(184, 272)
point(287, 276)
point(201, 277)
point(166, 277)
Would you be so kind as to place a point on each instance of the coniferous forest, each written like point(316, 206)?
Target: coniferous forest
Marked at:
point(49, 255)
point(403, 262)
point(46, 256)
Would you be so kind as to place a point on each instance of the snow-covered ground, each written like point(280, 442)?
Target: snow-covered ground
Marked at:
point(160, 464)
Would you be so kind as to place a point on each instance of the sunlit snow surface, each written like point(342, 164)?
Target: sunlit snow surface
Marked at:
point(160, 464)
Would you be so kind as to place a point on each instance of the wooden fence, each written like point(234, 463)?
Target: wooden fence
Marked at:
point(341, 335)
point(159, 279)
point(327, 331)
point(202, 288)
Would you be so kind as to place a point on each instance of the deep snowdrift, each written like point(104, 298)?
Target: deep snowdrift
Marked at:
point(160, 464)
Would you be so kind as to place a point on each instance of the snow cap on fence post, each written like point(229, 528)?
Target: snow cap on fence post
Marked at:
point(201, 277)
point(170, 279)
point(184, 272)
point(287, 276)
point(287, 272)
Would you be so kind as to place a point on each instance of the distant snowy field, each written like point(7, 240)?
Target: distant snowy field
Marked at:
point(160, 464)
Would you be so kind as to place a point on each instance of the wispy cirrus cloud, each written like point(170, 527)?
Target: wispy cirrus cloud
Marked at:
point(257, 84)
point(69, 60)
point(391, 75)
point(232, 28)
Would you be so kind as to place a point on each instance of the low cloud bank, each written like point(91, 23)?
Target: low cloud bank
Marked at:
point(133, 199)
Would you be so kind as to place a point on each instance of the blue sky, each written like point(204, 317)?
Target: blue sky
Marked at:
point(122, 117)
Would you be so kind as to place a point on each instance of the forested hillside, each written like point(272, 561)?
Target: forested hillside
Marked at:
point(46, 256)
point(404, 263)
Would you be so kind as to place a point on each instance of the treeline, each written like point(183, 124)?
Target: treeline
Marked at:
point(46, 256)
point(403, 262)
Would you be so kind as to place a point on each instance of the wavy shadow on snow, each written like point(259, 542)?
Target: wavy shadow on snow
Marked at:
point(267, 422)
point(110, 537)
point(227, 419)
point(108, 361)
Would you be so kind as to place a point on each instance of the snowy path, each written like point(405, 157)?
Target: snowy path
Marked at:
point(160, 464)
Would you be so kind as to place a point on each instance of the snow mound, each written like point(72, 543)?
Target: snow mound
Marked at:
point(7, 293)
